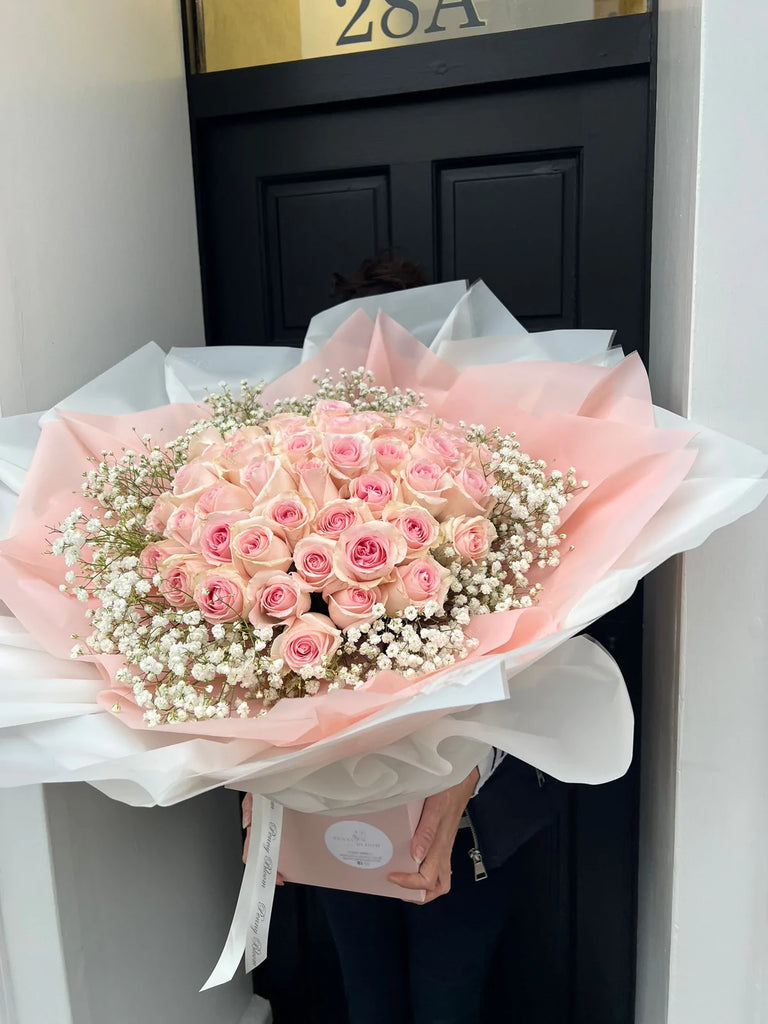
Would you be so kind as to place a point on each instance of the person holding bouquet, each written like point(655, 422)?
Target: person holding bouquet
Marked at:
point(430, 963)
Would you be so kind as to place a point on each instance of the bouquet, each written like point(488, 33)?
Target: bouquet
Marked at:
point(279, 552)
point(337, 587)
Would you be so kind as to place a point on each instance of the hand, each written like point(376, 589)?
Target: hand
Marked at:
point(247, 813)
point(433, 840)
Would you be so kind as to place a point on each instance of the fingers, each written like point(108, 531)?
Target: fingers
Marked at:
point(417, 881)
point(280, 880)
point(433, 889)
point(426, 830)
point(434, 894)
point(247, 809)
point(433, 876)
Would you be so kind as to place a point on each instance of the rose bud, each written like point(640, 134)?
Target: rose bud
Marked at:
point(215, 536)
point(349, 455)
point(416, 583)
point(306, 642)
point(350, 606)
point(375, 489)
point(276, 598)
point(177, 579)
point(337, 516)
point(193, 478)
point(256, 548)
point(368, 553)
point(265, 477)
point(220, 595)
point(223, 497)
point(419, 527)
point(315, 481)
point(313, 557)
point(424, 482)
point(290, 515)
point(469, 493)
point(471, 536)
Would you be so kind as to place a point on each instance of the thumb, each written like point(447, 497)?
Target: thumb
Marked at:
point(426, 830)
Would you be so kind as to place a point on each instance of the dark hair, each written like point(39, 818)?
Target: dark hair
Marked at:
point(386, 273)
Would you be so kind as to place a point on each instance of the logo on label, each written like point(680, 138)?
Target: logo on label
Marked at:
point(358, 845)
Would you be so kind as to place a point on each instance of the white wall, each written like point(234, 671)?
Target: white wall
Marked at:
point(703, 945)
point(145, 897)
point(98, 252)
point(109, 915)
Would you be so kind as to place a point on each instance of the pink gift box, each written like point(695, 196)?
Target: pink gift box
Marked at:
point(355, 852)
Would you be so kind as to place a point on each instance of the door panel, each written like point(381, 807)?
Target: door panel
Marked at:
point(487, 211)
point(303, 217)
point(536, 190)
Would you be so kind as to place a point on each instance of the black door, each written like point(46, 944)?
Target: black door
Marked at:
point(522, 159)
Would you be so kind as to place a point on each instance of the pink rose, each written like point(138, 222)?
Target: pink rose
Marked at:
point(390, 452)
point(200, 443)
point(160, 513)
point(375, 489)
point(290, 514)
point(416, 583)
point(177, 579)
point(348, 454)
point(276, 597)
point(220, 595)
point(313, 557)
point(283, 424)
point(215, 537)
point(368, 553)
point(315, 481)
point(327, 409)
point(401, 433)
point(424, 482)
point(301, 445)
point(223, 497)
point(265, 476)
point(154, 554)
point(442, 446)
point(354, 423)
point(349, 606)
point(414, 417)
point(337, 516)
point(306, 642)
point(183, 526)
point(471, 536)
point(193, 478)
point(419, 528)
point(469, 494)
point(256, 548)
point(237, 451)
point(253, 435)
point(349, 423)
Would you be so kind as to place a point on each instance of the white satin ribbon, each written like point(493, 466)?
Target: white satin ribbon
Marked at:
point(249, 930)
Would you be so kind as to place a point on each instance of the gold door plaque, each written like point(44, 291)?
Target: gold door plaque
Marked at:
point(246, 33)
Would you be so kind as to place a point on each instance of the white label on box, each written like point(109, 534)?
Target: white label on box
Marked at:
point(359, 845)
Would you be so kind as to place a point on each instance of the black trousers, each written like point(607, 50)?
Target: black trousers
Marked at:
point(404, 963)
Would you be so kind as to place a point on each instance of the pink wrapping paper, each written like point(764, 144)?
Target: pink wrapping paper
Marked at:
point(599, 420)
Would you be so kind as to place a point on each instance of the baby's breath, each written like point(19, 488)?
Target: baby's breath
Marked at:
point(181, 668)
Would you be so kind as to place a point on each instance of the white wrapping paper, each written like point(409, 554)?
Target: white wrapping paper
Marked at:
point(567, 711)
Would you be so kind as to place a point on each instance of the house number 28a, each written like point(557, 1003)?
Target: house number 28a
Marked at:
point(401, 19)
